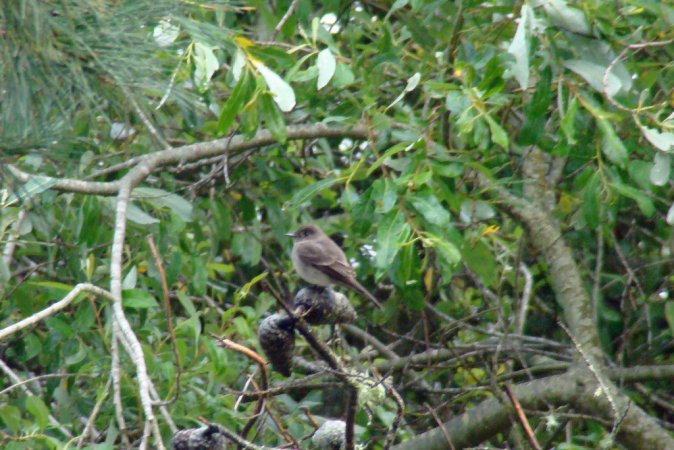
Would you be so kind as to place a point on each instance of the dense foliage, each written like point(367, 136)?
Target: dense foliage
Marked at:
point(437, 141)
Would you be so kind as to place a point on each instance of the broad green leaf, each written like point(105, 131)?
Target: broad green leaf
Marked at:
point(449, 254)
point(11, 417)
point(39, 411)
point(392, 232)
point(238, 64)
point(273, 118)
point(137, 215)
point(53, 285)
point(241, 94)
point(661, 168)
point(431, 208)
point(138, 299)
point(160, 197)
point(594, 74)
point(519, 47)
point(480, 259)
point(326, 65)
point(644, 203)
point(474, 210)
point(307, 192)
point(187, 303)
point(384, 195)
point(205, 65)
point(76, 358)
point(661, 140)
point(284, 96)
point(611, 144)
point(36, 185)
point(570, 19)
point(498, 134)
point(343, 76)
point(457, 101)
point(165, 33)
point(248, 247)
point(129, 281)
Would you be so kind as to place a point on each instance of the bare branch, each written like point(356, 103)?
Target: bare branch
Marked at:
point(54, 308)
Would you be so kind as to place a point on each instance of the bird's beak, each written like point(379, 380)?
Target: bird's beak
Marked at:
point(290, 235)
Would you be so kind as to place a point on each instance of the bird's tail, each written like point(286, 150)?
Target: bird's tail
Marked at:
point(365, 293)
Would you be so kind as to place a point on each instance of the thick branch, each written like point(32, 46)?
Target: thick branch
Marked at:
point(194, 152)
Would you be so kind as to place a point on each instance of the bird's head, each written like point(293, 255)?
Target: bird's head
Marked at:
point(306, 232)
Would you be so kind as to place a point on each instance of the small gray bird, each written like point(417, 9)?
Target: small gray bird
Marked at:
point(320, 261)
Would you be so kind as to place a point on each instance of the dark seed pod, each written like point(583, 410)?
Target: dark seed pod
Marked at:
point(330, 436)
point(207, 437)
point(323, 306)
point(277, 339)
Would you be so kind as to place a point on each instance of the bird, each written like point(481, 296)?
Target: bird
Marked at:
point(320, 261)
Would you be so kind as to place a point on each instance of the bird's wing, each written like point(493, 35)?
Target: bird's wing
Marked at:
point(329, 262)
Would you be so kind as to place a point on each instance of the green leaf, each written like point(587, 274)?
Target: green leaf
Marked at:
point(570, 19)
point(34, 186)
point(384, 195)
point(162, 198)
point(284, 96)
point(661, 140)
point(403, 146)
point(326, 65)
point(11, 417)
point(241, 94)
point(536, 111)
point(449, 255)
point(273, 118)
point(662, 166)
point(412, 83)
point(645, 204)
point(308, 192)
point(205, 65)
point(343, 76)
point(137, 215)
point(480, 260)
point(431, 208)
point(594, 74)
point(519, 47)
point(129, 281)
point(568, 123)
point(76, 358)
point(612, 146)
point(187, 303)
point(39, 410)
point(245, 289)
point(138, 299)
point(392, 232)
point(498, 134)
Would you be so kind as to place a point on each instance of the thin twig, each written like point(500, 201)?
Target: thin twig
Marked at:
point(522, 418)
point(169, 315)
point(285, 18)
point(263, 376)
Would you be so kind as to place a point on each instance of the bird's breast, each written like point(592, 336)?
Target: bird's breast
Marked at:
point(309, 272)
